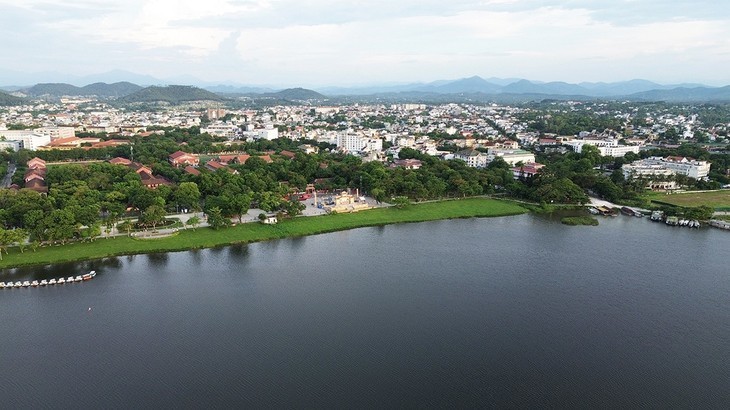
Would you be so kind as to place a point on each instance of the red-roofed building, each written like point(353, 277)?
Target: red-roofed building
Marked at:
point(407, 163)
point(36, 163)
point(180, 158)
point(120, 161)
point(528, 170)
point(192, 170)
point(288, 154)
point(215, 166)
point(151, 181)
point(110, 143)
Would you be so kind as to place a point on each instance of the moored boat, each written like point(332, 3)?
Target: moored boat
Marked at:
point(46, 282)
point(89, 275)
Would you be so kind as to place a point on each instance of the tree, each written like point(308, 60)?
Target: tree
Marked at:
point(125, 226)
point(378, 194)
point(401, 202)
point(216, 220)
point(293, 208)
point(193, 221)
point(153, 215)
point(6, 238)
point(240, 203)
point(60, 225)
point(187, 196)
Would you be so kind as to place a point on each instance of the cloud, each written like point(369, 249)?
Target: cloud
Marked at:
point(335, 42)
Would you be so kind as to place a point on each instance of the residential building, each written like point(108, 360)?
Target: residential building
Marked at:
point(56, 132)
point(473, 158)
point(658, 166)
point(27, 138)
point(220, 129)
point(511, 156)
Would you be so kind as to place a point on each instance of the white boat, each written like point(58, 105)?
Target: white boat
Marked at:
point(89, 275)
point(45, 282)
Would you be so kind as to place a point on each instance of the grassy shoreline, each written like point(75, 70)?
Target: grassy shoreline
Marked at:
point(254, 232)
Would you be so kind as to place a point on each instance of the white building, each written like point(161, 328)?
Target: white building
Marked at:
point(606, 147)
point(268, 133)
point(618, 151)
point(473, 158)
point(351, 141)
point(28, 139)
point(56, 132)
point(13, 145)
point(667, 166)
point(511, 156)
point(220, 129)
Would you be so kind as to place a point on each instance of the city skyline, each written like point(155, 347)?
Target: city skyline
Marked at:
point(326, 43)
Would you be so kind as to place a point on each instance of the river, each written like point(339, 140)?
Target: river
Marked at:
point(516, 311)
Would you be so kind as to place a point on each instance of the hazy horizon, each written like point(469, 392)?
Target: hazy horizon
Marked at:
point(284, 43)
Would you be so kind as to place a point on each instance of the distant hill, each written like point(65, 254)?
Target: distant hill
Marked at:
point(53, 90)
point(120, 89)
point(232, 89)
point(510, 90)
point(173, 94)
point(98, 89)
point(559, 88)
point(7, 99)
point(683, 94)
point(297, 94)
point(465, 85)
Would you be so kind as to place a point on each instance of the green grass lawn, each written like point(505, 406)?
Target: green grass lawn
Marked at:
point(715, 199)
point(253, 232)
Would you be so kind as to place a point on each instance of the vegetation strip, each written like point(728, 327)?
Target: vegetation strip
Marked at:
point(579, 220)
point(254, 232)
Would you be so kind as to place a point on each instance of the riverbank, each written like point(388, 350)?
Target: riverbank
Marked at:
point(255, 232)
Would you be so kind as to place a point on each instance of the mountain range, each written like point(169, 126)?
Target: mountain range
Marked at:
point(466, 89)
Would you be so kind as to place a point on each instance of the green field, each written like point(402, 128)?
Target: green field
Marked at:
point(719, 200)
point(254, 232)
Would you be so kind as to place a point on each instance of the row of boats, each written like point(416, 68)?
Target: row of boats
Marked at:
point(658, 216)
point(47, 282)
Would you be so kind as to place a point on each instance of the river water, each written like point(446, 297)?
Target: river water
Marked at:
point(516, 311)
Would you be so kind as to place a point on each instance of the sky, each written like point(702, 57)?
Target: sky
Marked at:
point(348, 43)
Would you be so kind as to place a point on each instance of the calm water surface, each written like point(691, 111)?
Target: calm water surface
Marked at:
point(517, 311)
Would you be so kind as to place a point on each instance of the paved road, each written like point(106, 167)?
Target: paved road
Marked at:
point(8, 179)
